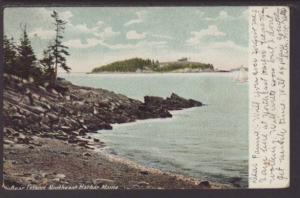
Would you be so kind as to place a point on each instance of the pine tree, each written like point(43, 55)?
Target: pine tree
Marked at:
point(58, 50)
point(26, 59)
point(47, 63)
point(10, 55)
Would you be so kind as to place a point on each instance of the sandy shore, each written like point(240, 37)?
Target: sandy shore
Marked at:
point(55, 164)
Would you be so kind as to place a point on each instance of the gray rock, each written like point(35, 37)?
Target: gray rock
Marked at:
point(100, 182)
point(204, 184)
point(87, 154)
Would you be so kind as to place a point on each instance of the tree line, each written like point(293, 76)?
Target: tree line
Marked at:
point(20, 59)
point(129, 65)
point(139, 64)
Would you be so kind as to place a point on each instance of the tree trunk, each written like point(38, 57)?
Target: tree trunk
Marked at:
point(55, 75)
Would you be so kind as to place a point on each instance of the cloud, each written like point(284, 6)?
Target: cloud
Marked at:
point(133, 35)
point(106, 33)
point(93, 41)
point(83, 28)
point(76, 43)
point(223, 15)
point(100, 23)
point(139, 45)
point(139, 19)
point(161, 36)
point(228, 44)
point(42, 34)
point(66, 15)
point(197, 37)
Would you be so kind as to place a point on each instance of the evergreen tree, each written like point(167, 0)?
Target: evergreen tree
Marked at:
point(58, 51)
point(47, 63)
point(10, 55)
point(26, 59)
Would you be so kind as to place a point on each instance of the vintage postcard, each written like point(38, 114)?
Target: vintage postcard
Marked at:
point(112, 98)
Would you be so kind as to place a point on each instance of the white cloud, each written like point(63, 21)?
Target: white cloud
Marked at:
point(228, 44)
point(139, 19)
point(41, 33)
point(92, 42)
point(106, 33)
point(139, 45)
point(197, 37)
point(66, 15)
point(223, 15)
point(76, 43)
point(133, 35)
point(161, 36)
point(83, 28)
point(100, 23)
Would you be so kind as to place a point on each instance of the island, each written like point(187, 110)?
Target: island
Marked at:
point(139, 65)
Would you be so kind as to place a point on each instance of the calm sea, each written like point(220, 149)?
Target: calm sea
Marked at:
point(209, 142)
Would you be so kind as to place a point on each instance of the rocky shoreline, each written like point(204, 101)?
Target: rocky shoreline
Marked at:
point(41, 123)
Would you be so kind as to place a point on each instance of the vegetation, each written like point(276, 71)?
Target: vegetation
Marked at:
point(58, 51)
point(129, 65)
point(20, 59)
point(188, 65)
point(138, 64)
point(10, 55)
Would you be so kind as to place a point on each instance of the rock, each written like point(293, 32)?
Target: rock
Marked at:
point(23, 140)
point(13, 162)
point(8, 142)
point(56, 179)
point(87, 154)
point(72, 140)
point(235, 181)
point(195, 103)
point(100, 182)
point(61, 89)
point(204, 184)
point(143, 183)
point(66, 111)
point(60, 176)
point(153, 100)
point(44, 175)
point(64, 153)
point(54, 91)
point(62, 137)
point(82, 143)
point(42, 88)
point(67, 97)
point(143, 172)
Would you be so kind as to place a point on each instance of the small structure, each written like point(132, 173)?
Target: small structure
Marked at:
point(184, 59)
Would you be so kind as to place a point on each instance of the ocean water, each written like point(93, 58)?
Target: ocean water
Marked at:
point(208, 143)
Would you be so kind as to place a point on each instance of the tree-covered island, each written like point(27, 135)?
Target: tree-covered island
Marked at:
point(148, 66)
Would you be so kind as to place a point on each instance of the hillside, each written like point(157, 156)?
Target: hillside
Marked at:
point(129, 65)
point(147, 65)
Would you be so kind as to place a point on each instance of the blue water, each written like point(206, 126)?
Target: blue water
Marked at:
point(209, 142)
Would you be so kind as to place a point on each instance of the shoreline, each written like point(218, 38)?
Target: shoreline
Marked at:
point(46, 136)
point(60, 171)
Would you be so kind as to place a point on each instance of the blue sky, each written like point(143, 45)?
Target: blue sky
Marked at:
point(97, 36)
